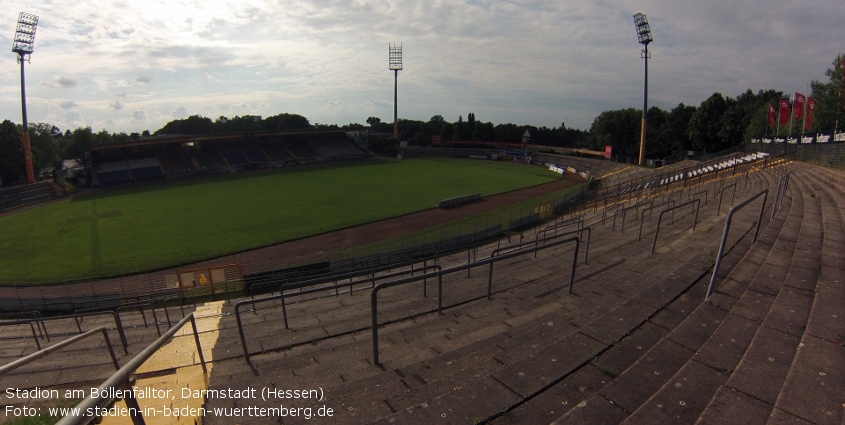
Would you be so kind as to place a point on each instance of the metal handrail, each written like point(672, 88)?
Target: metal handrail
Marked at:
point(140, 305)
point(765, 194)
point(58, 346)
point(282, 296)
point(697, 203)
point(117, 322)
point(441, 273)
point(287, 280)
point(733, 185)
point(695, 195)
point(783, 183)
point(120, 379)
point(579, 221)
point(642, 216)
point(624, 211)
point(580, 232)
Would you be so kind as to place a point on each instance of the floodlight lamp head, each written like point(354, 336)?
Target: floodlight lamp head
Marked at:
point(395, 57)
point(25, 34)
point(643, 30)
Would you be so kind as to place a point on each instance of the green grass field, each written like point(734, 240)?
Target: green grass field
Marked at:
point(154, 226)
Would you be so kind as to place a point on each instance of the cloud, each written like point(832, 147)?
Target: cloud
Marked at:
point(139, 116)
point(73, 116)
point(62, 83)
point(67, 104)
point(180, 112)
point(243, 106)
point(536, 62)
point(117, 105)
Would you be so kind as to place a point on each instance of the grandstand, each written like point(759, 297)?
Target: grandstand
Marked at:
point(16, 196)
point(497, 333)
point(179, 156)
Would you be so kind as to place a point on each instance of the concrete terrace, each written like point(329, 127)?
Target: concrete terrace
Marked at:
point(635, 342)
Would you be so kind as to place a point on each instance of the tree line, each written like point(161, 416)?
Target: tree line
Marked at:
point(718, 123)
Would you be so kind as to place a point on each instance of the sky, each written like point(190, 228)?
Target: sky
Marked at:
point(134, 65)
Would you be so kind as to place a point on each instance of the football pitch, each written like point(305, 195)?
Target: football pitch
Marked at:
point(159, 225)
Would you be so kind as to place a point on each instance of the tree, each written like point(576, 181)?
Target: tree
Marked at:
point(758, 125)
point(704, 124)
point(675, 128)
point(435, 125)
point(373, 121)
point(619, 129)
point(80, 142)
point(12, 164)
point(830, 110)
point(193, 125)
point(286, 122)
point(44, 141)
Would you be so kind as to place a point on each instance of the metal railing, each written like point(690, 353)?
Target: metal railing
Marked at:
point(282, 296)
point(765, 194)
point(120, 379)
point(580, 231)
point(439, 274)
point(636, 207)
point(782, 184)
point(58, 346)
point(117, 322)
point(697, 203)
point(642, 216)
point(722, 195)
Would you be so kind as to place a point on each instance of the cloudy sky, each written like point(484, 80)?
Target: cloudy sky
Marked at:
point(130, 65)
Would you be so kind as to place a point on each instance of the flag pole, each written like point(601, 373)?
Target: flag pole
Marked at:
point(806, 108)
point(791, 114)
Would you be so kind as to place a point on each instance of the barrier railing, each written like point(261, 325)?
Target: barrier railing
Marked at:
point(722, 195)
point(441, 273)
point(782, 184)
point(765, 194)
point(58, 346)
point(120, 380)
point(282, 296)
point(118, 324)
point(697, 203)
point(632, 207)
point(642, 216)
point(580, 233)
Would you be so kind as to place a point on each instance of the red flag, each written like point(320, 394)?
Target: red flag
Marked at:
point(784, 111)
point(811, 107)
point(800, 99)
point(771, 115)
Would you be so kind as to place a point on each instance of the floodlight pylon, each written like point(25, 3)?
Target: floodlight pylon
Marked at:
point(395, 65)
point(643, 37)
point(23, 45)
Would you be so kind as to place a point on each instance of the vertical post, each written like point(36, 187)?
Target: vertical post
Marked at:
point(395, 106)
point(645, 107)
point(30, 175)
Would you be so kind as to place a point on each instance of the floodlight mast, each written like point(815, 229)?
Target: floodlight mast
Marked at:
point(643, 37)
point(395, 65)
point(23, 46)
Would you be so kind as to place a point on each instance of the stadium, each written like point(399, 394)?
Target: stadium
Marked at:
point(270, 271)
point(555, 299)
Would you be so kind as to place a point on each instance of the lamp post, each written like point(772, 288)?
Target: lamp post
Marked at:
point(395, 65)
point(23, 46)
point(644, 37)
